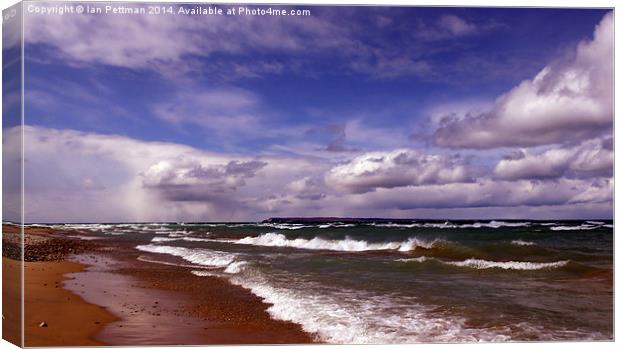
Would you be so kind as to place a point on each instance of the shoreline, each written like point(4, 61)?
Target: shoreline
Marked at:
point(47, 301)
point(116, 299)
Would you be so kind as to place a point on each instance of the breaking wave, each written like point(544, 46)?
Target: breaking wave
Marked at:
point(197, 256)
point(484, 264)
point(575, 227)
point(185, 238)
point(317, 243)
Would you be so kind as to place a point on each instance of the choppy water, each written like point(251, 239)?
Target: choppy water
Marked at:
point(395, 283)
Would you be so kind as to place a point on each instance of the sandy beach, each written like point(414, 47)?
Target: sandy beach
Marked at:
point(80, 292)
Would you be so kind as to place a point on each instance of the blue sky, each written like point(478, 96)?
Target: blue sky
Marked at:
point(509, 44)
point(256, 100)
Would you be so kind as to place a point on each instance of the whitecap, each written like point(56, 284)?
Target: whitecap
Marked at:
point(514, 265)
point(196, 256)
point(575, 227)
point(317, 243)
point(484, 264)
point(522, 243)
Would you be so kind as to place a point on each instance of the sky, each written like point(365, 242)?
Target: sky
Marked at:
point(397, 112)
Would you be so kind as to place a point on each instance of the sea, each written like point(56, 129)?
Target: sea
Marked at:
point(402, 282)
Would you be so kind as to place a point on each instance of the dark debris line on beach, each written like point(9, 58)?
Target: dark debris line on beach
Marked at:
point(41, 248)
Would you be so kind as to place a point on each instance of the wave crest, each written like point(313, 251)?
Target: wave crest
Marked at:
point(475, 263)
point(197, 256)
point(348, 244)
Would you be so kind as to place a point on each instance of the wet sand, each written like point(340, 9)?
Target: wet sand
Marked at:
point(105, 296)
point(231, 314)
point(69, 319)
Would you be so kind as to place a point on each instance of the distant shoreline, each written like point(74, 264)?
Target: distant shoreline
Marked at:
point(319, 220)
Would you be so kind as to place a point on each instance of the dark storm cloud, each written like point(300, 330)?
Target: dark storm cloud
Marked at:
point(196, 182)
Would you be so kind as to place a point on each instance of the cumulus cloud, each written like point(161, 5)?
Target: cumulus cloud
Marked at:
point(397, 168)
point(182, 181)
point(78, 176)
point(307, 188)
point(566, 101)
point(590, 159)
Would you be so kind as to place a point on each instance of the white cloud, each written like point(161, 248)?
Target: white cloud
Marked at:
point(397, 168)
point(231, 47)
point(78, 176)
point(168, 43)
point(590, 159)
point(489, 193)
point(182, 180)
point(566, 101)
point(307, 188)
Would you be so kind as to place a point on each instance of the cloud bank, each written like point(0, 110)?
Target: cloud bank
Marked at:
point(77, 176)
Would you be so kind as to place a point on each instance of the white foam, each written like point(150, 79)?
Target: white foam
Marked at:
point(448, 225)
point(204, 273)
point(284, 226)
point(495, 224)
point(484, 264)
point(335, 225)
point(416, 259)
point(396, 225)
point(235, 267)
point(185, 238)
point(91, 227)
point(514, 265)
point(522, 243)
point(149, 260)
point(575, 227)
point(356, 317)
point(178, 233)
point(83, 237)
point(196, 256)
point(280, 240)
point(444, 225)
